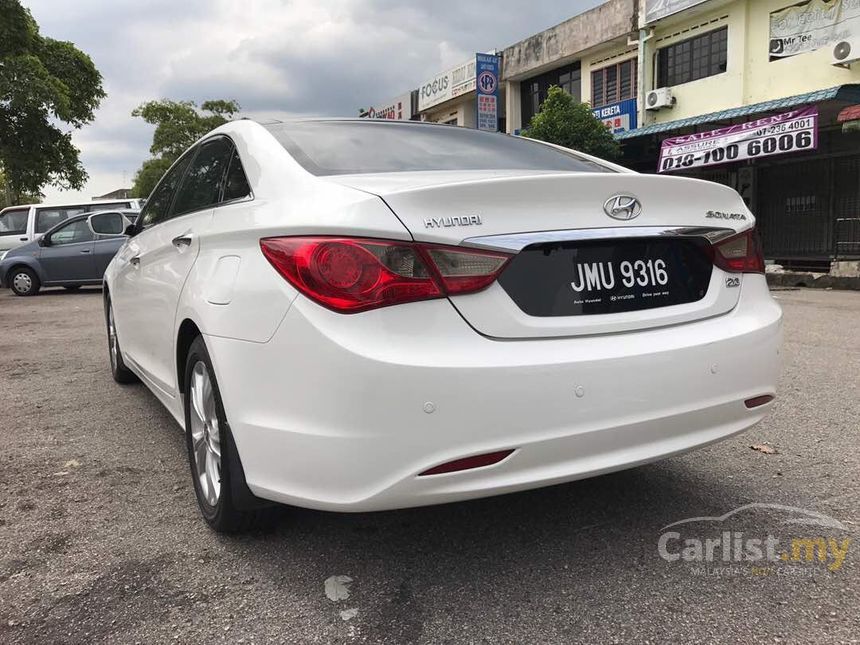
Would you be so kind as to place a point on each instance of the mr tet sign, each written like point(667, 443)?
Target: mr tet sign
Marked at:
point(794, 131)
point(487, 84)
point(618, 117)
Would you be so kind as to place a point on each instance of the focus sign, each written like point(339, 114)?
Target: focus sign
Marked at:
point(794, 131)
point(487, 84)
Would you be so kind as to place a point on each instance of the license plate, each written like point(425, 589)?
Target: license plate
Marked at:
point(613, 276)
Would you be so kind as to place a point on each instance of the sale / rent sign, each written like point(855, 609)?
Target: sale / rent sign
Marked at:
point(794, 131)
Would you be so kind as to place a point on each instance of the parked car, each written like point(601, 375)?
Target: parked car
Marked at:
point(28, 222)
point(359, 315)
point(69, 255)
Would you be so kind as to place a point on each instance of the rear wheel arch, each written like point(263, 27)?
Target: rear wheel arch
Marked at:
point(188, 331)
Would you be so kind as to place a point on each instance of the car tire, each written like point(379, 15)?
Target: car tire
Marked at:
point(24, 282)
point(119, 371)
point(225, 501)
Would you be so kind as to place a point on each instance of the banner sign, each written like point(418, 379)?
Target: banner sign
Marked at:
point(400, 109)
point(618, 117)
point(487, 84)
point(794, 131)
point(813, 25)
point(447, 85)
point(657, 9)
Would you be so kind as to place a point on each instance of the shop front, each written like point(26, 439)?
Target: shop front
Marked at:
point(795, 161)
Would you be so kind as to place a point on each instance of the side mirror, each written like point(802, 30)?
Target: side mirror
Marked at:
point(44, 241)
point(130, 230)
point(108, 223)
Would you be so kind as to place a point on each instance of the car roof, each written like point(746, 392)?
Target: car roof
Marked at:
point(96, 202)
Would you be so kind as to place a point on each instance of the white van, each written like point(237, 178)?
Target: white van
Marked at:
point(28, 222)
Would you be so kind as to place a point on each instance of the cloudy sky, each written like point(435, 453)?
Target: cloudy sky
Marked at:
point(276, 57)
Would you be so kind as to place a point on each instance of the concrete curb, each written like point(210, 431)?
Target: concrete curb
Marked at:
point(815, 280)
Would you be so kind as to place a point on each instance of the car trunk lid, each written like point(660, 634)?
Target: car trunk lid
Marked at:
point(576, 269)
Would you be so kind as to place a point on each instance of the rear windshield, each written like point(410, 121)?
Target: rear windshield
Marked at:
point(349, 147)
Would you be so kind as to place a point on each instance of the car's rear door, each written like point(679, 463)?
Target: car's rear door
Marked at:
point(163, 254)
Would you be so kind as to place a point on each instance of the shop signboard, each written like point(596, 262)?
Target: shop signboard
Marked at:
point(399, 109)
point(813, 25)
point(487, 84)
point(659, 9)
point(795, 131)
point(447, 85)
point(618, 117)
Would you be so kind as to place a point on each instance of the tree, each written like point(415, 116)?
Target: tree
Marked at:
point(178, 124)
point(148, 175)
point(565, 122)
point(44, 83)
point(6, 198)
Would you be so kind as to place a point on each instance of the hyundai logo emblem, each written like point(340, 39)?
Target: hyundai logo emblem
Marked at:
point(622, 207)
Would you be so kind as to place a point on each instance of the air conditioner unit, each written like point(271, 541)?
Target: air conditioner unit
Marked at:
point(659, 99)
point(846, 52)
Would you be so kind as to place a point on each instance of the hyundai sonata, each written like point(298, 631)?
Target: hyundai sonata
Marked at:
point(366, 315)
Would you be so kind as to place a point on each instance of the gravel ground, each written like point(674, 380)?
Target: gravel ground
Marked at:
point(100, 539)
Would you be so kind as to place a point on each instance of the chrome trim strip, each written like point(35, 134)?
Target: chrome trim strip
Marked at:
point(518, 241)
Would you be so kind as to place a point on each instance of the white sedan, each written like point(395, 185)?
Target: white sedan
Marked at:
point(366, 315)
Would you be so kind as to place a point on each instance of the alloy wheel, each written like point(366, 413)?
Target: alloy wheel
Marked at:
point(205, 434)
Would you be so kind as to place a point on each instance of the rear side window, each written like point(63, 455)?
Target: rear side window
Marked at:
point(201, 186)
point(350, 147)
point(158, 205)
point(48, 218)
point(236, 185)
point(14, 222)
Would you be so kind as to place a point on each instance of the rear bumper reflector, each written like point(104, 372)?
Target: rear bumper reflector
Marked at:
point(467, 463)
point(758, 401)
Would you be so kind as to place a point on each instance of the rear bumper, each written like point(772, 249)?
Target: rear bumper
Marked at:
point(332, 413)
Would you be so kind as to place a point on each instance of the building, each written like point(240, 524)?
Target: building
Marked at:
point(591, 55)
point(449, 97)
point(749, 93)
point(119, 193)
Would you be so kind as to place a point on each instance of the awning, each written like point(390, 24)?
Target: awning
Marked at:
point(850, 93)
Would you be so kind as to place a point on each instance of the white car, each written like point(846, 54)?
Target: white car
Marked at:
point(359, 315)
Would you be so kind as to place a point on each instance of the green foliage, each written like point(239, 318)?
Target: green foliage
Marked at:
point(6, 198)
point(42, 82)
point(148, 175)
point(178, 124)
point(565, 122)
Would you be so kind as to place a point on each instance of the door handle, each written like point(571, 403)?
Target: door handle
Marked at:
point(135, 261)
point(87, 251)
point(182, 240)
point(22, 239)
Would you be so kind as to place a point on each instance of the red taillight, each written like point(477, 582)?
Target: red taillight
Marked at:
point(740, 254)
point(356, 274)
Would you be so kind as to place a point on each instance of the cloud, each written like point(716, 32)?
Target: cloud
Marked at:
point(276, 57)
